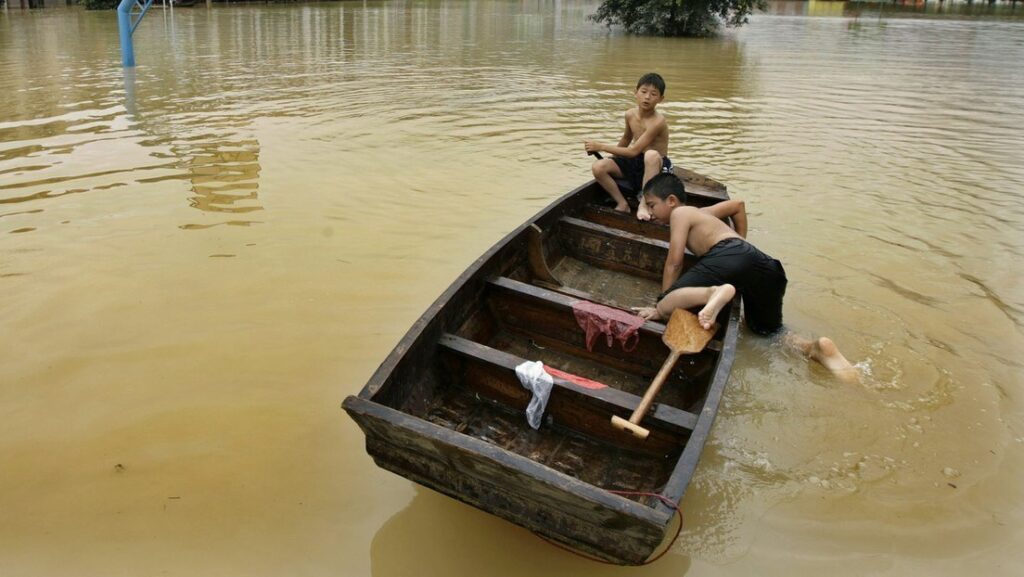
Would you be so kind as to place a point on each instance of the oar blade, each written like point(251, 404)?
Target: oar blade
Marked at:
point(684, 333)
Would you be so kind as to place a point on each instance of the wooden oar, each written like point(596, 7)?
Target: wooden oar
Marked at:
point(683, 335)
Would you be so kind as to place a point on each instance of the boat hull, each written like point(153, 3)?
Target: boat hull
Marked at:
point(444, 409)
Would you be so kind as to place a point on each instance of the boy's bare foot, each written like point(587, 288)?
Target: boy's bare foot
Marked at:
point(719, 296)
point(643, 213)
point(827, 353)
point(622, 207)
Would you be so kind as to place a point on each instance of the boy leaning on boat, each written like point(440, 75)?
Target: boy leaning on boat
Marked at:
point(642, 151)
point(727, 264)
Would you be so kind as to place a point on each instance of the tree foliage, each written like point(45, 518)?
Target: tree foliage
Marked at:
point(100, 4)
point(675, 17)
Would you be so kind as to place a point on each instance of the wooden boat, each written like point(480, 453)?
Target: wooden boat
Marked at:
point(445, 409)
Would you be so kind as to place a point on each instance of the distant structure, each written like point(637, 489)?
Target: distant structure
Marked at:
point(35, 3)
point(129, 14)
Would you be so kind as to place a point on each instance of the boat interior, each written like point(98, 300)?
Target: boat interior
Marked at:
point(519, 307)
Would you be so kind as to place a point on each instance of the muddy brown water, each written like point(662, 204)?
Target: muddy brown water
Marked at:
point(200, 259)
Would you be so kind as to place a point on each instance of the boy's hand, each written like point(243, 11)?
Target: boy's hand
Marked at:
point(648, 313)
point(593, 146)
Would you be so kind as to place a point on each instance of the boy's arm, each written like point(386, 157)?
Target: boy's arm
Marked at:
point(641, 144)
point(680, 228)
point(734, 209)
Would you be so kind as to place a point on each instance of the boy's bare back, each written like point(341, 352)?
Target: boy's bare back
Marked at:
point(697, 229)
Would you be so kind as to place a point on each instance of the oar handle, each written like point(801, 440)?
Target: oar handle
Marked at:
point(596, 154)
point(652, 391)
point(632, 426)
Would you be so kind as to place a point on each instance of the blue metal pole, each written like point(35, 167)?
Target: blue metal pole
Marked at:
point(124, 26)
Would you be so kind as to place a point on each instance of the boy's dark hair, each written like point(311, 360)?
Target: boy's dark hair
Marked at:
point(664, 185)
point(654, 79)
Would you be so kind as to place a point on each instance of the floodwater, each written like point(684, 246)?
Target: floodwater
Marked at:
point(200, 260)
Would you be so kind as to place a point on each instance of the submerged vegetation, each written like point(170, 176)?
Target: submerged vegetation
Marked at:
point(676, 17)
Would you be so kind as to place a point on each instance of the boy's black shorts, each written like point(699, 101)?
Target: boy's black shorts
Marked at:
point(633, 170)
point(759, 279)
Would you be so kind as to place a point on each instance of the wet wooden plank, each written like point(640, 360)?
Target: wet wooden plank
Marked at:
point(618, 250)
point(588, 283)
point(608, 287)
point(547, 316)
point(612, 218)
point(525, 346)
point(613, 249)
point(583, 409)
point(703, 188)
point(509, 485)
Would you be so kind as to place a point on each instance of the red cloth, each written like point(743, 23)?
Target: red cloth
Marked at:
point(581, 381)
point(615, 324)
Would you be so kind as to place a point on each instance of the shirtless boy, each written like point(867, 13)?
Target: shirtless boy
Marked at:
point(642, 151)
point(728, 264)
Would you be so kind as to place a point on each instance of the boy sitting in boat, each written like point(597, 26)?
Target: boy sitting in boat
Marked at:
point(642, 151)
point(728, 263)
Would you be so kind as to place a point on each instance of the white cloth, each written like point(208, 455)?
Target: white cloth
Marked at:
point(534, 378)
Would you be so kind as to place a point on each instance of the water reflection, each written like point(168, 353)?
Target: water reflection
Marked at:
point(439, 538)
point(224, 175)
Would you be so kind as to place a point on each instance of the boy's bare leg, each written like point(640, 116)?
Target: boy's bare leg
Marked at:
point(605, 171)
point(652, 166)
point(713, 297)
point(720, 296)
point(827, 353)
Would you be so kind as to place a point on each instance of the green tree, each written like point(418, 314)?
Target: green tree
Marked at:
point(100, 4)
point(675, 17)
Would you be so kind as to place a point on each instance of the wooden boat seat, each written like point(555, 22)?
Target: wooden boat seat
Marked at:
point(701, 189)
point(547, 317)
point(611, 248)
point(611, 218)
point(492, 373)
point(715, 345)
point(540, 323)
point(563, 298)
point(607, 216)
point(616, 249)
